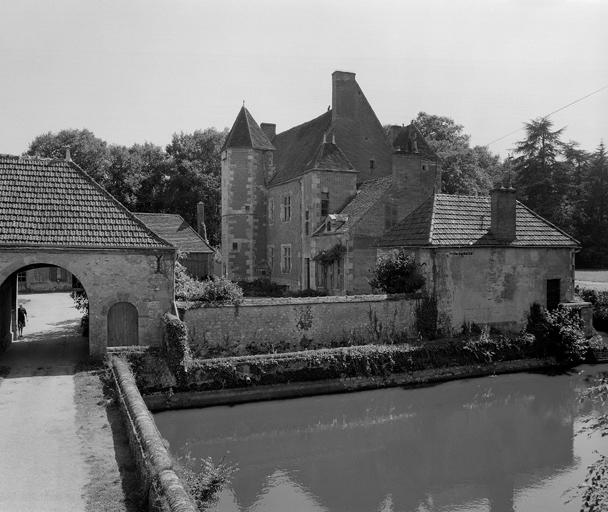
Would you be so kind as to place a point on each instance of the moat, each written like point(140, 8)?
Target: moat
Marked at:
point(506, 443)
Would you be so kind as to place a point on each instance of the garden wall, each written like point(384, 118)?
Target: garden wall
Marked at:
point(301, 323)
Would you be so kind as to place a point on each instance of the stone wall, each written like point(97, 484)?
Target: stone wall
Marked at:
point(493, 285)
point(298, 323)
point(108, 277)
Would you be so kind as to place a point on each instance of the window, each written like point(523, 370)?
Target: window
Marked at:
point(285, 259)
point(21, 277)
point(390, 215)
point(270, 211)
point(424, 167)
point(247, 207)
point(324, 204)
point(286, 209)
point(235, 246)
point(271, 257)
point(372, 164)
point(307, 223)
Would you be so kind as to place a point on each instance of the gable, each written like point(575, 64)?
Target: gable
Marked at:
point(54, 203)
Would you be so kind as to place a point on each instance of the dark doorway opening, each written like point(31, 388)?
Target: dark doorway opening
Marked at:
point(553, 293)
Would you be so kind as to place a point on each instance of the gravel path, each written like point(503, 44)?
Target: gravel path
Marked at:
point(56, 441)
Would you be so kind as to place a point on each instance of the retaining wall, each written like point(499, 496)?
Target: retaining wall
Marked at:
point(164, 490)
point(302, 323)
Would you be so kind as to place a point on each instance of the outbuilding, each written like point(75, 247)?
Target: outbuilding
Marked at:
point(52, 214)
point(486, 259)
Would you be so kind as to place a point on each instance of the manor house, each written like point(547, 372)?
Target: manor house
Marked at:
point(307, 207)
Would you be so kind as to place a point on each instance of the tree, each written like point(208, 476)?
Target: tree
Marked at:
point(464, 170)
point(542, 181)
point(88, 151)
point(195, 175)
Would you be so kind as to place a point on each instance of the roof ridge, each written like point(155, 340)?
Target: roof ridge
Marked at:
point(304, 123)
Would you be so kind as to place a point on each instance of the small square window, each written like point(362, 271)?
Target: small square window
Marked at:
point(235, 246)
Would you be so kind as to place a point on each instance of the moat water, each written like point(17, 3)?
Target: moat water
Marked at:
point(512, 442)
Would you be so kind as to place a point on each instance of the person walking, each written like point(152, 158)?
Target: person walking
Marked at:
point(21, 319)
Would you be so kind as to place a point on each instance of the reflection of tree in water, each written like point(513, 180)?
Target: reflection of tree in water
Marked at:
point(457, 442)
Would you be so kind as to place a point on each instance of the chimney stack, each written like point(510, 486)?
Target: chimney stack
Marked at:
point(269, 129)
point(503, 223)
point(201, 228)
point(344, 93)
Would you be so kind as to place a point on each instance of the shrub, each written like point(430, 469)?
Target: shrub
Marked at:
point(397, 272)
point(559, 333)
point(175, 345)
point(204, 482)
point(261, 287)
point(600, 306)
point(214, 291)
point(81, 303)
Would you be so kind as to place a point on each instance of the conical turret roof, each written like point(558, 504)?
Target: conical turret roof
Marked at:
point(246, 133)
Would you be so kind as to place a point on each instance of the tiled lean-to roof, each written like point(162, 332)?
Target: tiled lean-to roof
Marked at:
point(175, 230)
point(54, 203)
point(368, 194)
point(451, 220)
point(245, 133)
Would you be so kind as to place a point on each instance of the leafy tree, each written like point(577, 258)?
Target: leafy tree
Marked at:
point(88, 151)
point(465, 169)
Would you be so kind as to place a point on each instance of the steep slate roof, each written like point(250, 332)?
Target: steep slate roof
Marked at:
point(245, 133)
point(403, 142)
point(450, 220)
point(175, 230)
point(298, 147)
point(330, 157)
point(54, 203)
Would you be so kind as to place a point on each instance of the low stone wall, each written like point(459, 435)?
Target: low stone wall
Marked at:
point(182, 400)
point(164, 490)
point(302, 323)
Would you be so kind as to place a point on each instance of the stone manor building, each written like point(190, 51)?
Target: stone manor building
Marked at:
point(307, 207)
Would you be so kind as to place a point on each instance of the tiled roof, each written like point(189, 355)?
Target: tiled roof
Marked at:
point(409, 140)
point(368, 194)
point(297, 148)
point(245, 133)
point(451, 220)
point(175, 230)
point(54, 203)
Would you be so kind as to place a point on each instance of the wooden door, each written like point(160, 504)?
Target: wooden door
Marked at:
point(122, 325)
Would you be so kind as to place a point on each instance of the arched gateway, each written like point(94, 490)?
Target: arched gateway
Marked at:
point(53, 214)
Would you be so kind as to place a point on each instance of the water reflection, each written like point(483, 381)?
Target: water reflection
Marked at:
point(490, 444)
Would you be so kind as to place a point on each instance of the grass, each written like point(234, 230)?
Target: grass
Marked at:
point(112, 480)
point(593, 279)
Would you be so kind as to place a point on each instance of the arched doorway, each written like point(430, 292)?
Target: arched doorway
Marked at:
point(123, 325)
point(43, 314)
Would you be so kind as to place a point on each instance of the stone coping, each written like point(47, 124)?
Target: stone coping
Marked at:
point(288, 301)
point(154, 462)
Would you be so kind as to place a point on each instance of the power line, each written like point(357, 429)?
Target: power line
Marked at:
point(551, 113)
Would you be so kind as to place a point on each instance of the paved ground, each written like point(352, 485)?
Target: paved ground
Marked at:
point(46, 463)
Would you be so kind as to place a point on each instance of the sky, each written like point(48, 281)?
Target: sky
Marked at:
point(133, 71)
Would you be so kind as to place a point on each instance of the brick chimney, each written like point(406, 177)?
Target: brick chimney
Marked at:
point(503, 222)
point(201, 228)
point(269, 129)
point(344, 93)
